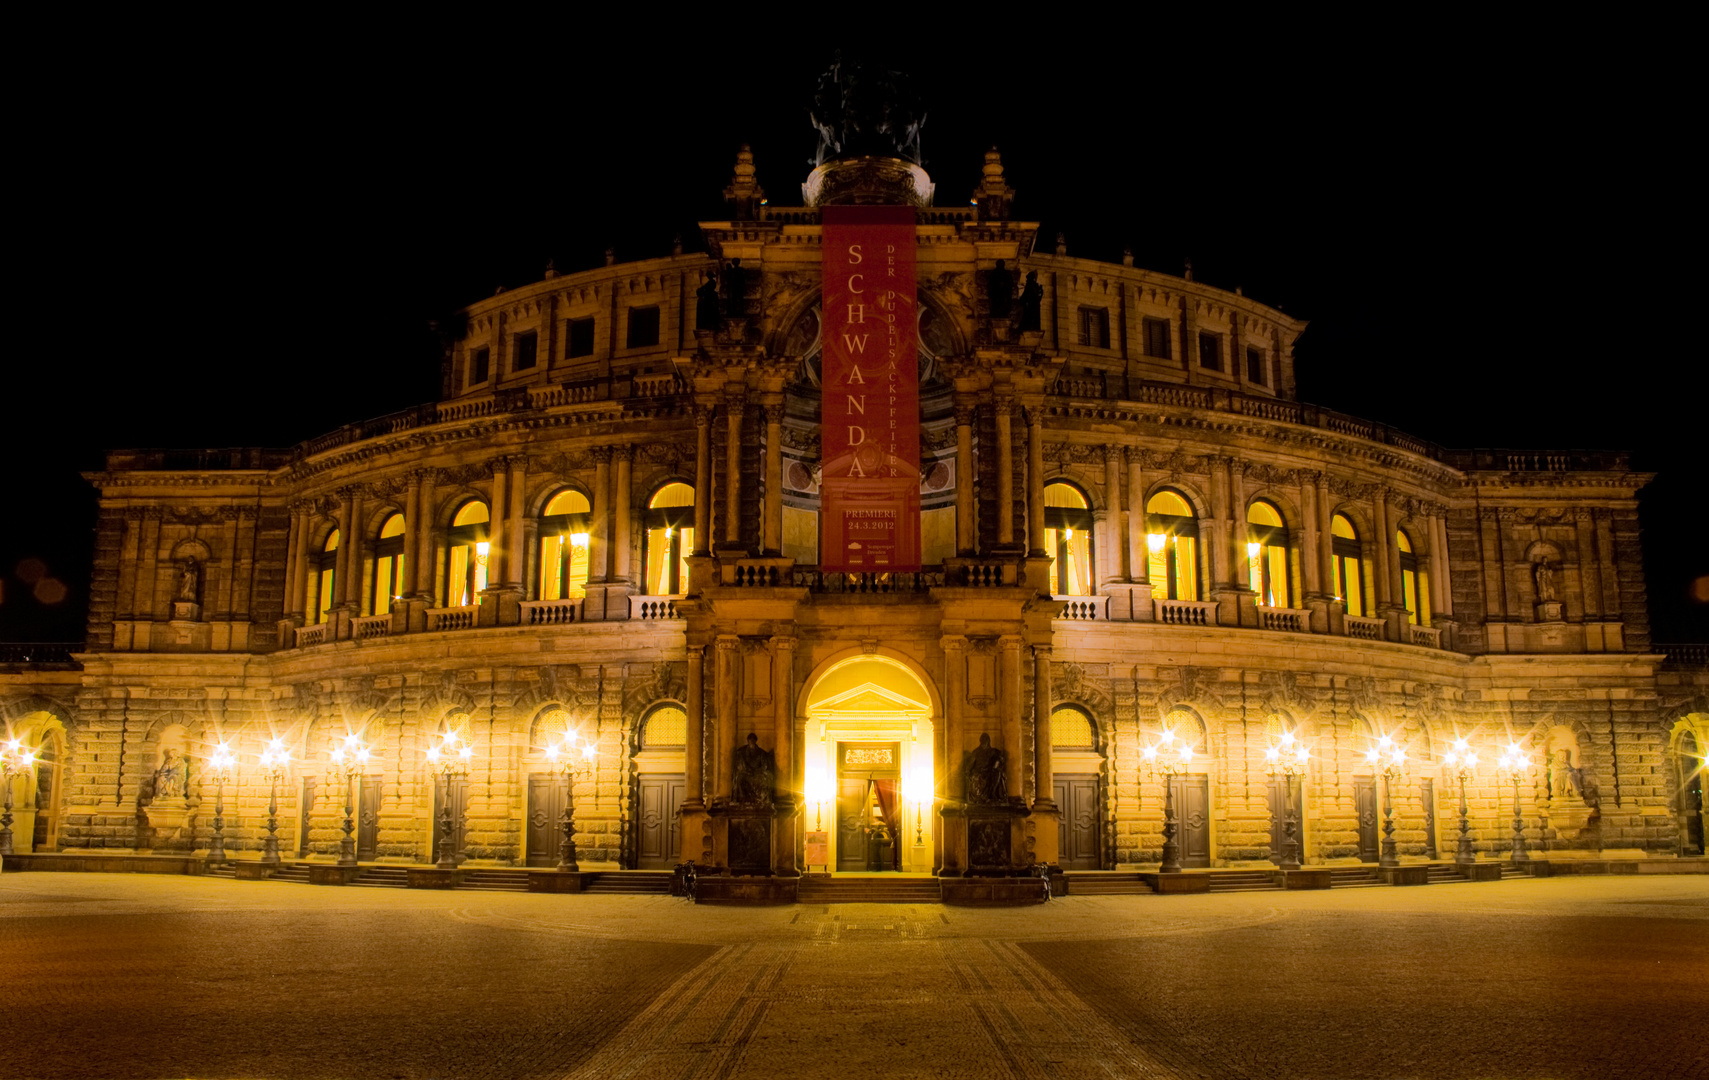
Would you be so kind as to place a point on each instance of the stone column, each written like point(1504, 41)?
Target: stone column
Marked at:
point(1325, 553)
point(1139, 556)
point(1044, 796)
point(412, 524)
point(1313, 543)
point(702, 480)
point(224, 605)
point(772, 541)
point(622, 512)
point(734, 407)
point(599, 529)
point(694, 748)
point(299, 560)
point(1035, 480)
point(952, 841)
point(1238, 578)
point(1004, 408)
point(1382, 552)
point(783, 749)
point(1214, 532)
point(964, 517)
point(498, 561)
point(729, 675)
point(1009, 702)
point(425, 551)
point(1590, 576)
point(348, 549)
point(516, 560)
point(1438, 565)
point(1116, 540)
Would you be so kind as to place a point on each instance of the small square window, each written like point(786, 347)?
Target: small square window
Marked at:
point(1210, 350)
point(1157, 338)
point(580, 337)
point(482, 367)
point(1255, 366)
point(643, 328)
point(527, 346)
point(1095, 327)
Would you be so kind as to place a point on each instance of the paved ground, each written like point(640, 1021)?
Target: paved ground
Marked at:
point(143, 977)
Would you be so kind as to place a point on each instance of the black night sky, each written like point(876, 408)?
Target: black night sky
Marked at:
point(248, 250)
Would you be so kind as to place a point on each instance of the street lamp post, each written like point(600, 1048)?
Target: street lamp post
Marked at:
point(15, 761)
point(1391, 758)
point(349, 760)
point(220, 764)
point(1464, 762)
point(1170, 763)
point(1517, 766)
point(1288, 761)
point(274, 761)
point(450, 758)
point(575, 763)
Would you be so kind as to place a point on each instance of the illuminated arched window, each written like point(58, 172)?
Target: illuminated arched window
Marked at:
point(563, 546)
point(1410, 592)
point(1267, 555)
point(1071, 729)
point(389, 582)
point(670, 539)
point(665, 728)
point(321, 585)
point(466, 566)
point(1172, 538)
point(1348, 562)
point(1068, 539)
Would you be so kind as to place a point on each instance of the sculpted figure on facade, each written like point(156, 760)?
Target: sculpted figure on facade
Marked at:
point(753, 774)
point(189, 581)
point(1545, 577)
point(1032, 302)
point(987, 780)
point(171, 778)
point(706, 303)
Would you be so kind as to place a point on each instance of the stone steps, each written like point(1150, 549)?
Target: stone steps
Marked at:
point(383, 877)
point(869, 891)
point(1242, 881)
point(488, 879)
point(1105, 884)
point(630, 883)
point(1354, 877)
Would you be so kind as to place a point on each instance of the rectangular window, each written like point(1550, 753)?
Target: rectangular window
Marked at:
point(643, 328)
point(579, 335)
point(1255, 367)
point(1210, 350)
point(1157, 338)
point(482, 366)
point(1095, 327)
point(525, 348)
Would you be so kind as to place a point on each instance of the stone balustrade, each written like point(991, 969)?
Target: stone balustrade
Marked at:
point(1185, 612)
point(550, 612)
point(370, 626)
point(1290, 620)
point(1365, 629)
point(451, 618)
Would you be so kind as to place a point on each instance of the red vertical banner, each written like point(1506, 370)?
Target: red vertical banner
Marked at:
point(870, 374)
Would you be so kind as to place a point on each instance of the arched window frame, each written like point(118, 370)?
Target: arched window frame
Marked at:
point(1347, 565)
point(388, 581)
point(558, 547)
point(1269, 562)
point(466, 556)
point(1172, 546)
point(1093, 746)
point(1068, 541)
point(670, 526)
point(641, 729)
point(323, 587)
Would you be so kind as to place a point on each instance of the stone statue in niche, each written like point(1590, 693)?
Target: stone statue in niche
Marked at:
point(189, 581)
point(864, 108)
point(1544, 572)
point(1032, 301)
point(171, 778)
point(1000, 291)
point(1585, 785)
point(753, 774)
point(706, 303)
point(735, 291)
point(987, 779)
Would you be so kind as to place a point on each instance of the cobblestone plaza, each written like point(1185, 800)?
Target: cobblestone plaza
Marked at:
point(1546, 978)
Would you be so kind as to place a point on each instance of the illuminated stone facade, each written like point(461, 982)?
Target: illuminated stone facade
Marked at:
point(1127, 514)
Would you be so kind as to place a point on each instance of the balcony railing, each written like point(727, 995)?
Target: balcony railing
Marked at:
point(550, 612)
point(653, 607)
point(1365, 629)
point(39, 653)
point(836, 582)
point(1428, 636)
point(370, 626)
point(451, 618)
point(311, 635)
point(1291, 620)
point(1185, 612)
point(1085, 608)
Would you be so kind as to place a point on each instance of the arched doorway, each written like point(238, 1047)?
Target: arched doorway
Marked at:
point(868, 757)
point(1077, 777)
point(1689, 758)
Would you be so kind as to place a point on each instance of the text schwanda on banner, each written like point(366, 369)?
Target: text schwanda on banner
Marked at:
point(869, 368)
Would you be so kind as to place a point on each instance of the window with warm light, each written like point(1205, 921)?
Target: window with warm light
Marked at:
point(564, 546)
point(388, 581)
point(1068, 539)
point(321, 585)
point(1071, 729)
point(1347, 559)
point(1172, 542)
point(670, 539)
point(466, 569)
point(665, 728)
point(1410, 592)
point(1267, 555)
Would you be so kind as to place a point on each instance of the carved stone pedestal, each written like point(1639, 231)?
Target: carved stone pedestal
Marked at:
point(431, 877)
point(1479, 871)
point(1405, 875)
point(556, 882)
point(977, 891)
point(252, 871)
point(333, 875)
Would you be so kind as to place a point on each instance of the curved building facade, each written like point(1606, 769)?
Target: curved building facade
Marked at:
point(606, 535)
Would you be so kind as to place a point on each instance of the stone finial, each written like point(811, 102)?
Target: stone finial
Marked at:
point(744, 193)
point(993, 195)
point(551, 269)
point(1061, 244)
point(1127, 256)
point(1238, 291)
point(1188, 271)
point(676, 244)
point(610, 256)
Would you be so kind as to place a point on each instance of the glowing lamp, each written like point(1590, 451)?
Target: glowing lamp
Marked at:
point(1253, 548)
point(1155, 541)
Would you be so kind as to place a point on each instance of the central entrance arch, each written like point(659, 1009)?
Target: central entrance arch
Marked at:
point(868, 752)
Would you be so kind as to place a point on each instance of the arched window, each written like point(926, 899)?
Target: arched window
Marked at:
point(665, 728)
point(1267, 555)
point(1071, 729)
point(563, 546)
point(1068, 539)
point(670, 538)
point(389, 565)
point(1409, 590)
point(1172, 537)
point(466, 571)
point(1347, 559)
point(321, 585)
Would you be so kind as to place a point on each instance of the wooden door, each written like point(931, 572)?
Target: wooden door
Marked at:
point(459, 814)
point(659, 838)
point(1365, 806)
point(43, 835)
point(1193, 819)
point(368, 818)
point(1278, 819)
point(545, 819)
point(305, 816)
point(1427, 794)
point(852, 802)
point(1080, 825)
